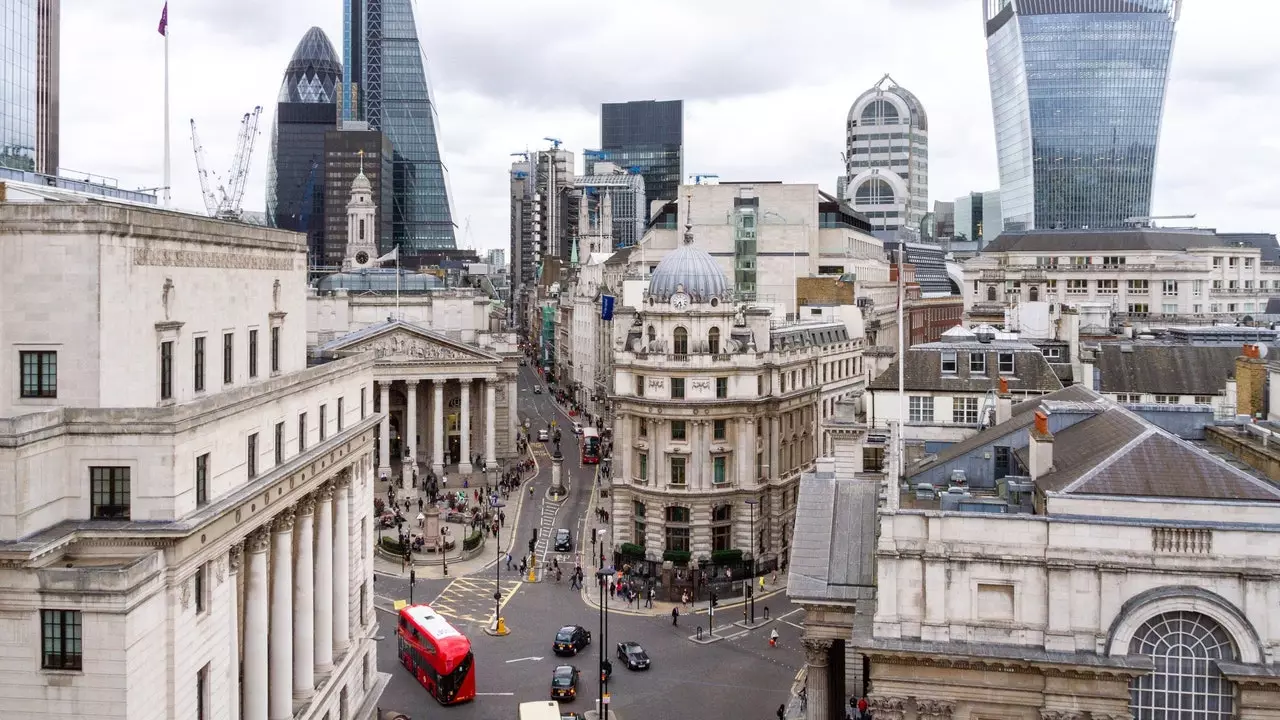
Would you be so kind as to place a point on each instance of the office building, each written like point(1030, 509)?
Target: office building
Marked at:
point(626, 193)
point(646, 136)
point(386, 86)
point(306, 109)
point(346, 151)
point(1077, 91)
point(525, 234)
point(186, 529)
point(887, 159)
point(977, 218)
point(29, 83)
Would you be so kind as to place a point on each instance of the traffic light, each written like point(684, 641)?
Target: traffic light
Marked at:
point(535, 533)
point(715, 600)
point(531, 544)
point(413, 577)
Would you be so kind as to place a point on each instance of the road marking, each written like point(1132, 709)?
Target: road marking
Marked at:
point(735, 635)
point(787, 615)
point(495, 694)
point(532, 657)
point(798, 627)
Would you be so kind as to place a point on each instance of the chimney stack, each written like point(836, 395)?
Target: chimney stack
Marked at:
point(1251, 382)
point(1041, 448)
point(1004, 402)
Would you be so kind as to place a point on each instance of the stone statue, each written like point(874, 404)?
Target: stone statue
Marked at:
point(275, 295)
point(164, 298)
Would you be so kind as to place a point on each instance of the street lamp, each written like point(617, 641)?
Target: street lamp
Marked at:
point(498, 627)
point(603, 576)
point(751, 503)
point(444, 549)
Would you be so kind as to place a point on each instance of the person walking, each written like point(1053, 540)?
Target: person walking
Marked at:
point(675, 616)
point(782, 712)
point(650, 597)
point(508, 561)
point(773, 638)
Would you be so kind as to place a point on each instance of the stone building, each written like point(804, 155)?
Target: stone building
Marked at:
point(1119, 570)
point(182, 529)
point(717, 411)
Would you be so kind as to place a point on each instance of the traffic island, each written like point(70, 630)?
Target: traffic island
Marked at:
point(753, 625)
point(704, 638)
point(497, 629)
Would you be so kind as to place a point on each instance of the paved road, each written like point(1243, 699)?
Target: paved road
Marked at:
point(738, 677)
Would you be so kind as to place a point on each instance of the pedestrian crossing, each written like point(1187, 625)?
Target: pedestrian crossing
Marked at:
point(470, 599)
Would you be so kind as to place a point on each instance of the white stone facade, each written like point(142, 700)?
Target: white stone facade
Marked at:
point(887, 157)
point(461, 314)
point(155, 492)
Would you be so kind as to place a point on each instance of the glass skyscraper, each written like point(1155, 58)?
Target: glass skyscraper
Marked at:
point(1077, 94)
point(647, 136)
point(29, 85)
point(306, 108)
point(385, 83)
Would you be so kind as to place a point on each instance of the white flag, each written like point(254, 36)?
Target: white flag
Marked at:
point(393, 255)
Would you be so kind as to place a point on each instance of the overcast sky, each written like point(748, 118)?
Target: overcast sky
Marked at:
point(766, 85)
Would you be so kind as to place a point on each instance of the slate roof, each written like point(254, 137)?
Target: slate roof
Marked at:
point(1165, 369)
point(1064, 242)
point(924, 369)
point(1266, 242)
point(1118, 453)
point(1022, 415)
point(833, 550)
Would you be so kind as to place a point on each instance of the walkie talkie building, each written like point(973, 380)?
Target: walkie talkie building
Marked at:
point(1077, 94)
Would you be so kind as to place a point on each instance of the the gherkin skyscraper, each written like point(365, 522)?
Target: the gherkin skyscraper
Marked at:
point(385, 84)
point(305, 108)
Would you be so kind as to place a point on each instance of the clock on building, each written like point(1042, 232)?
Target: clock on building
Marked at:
point(680, 300)
point(362, 258)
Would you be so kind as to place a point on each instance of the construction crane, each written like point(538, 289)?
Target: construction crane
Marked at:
point(224, 201)
point(698, 178)
point(555, 142)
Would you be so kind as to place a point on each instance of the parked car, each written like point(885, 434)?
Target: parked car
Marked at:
point(537, 389)
point(577, 428)
point(564, 682)
point(633, 656)
point(564, 540)
point(571, 639)
point(543, 436)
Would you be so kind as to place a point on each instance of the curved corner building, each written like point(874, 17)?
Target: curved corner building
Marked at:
point(1077, 94)
point(887, 158)
point(306, 107)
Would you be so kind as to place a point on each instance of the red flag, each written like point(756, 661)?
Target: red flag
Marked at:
point(164, 20)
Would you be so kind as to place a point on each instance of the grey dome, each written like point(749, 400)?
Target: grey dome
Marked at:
point(692, 270)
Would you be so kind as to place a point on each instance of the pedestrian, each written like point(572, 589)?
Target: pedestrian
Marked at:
point(524, 566)
point(502, 517)
point(530, 489)
point(651, 594)
point(419, 504)
point(862, 707)
point(761, 583)
point(675, 616)
point(508, 561)
point(613, 590)
point(782, 712)
point(773, 638)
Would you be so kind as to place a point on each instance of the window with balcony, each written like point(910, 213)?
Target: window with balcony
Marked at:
point(678, 430)
point(1006, 363)
point(1112, 261)
point(677, 388)
point(680, 341)
point(719, 469)
point(678, 471)
point(1082, 261)
point(1108, 287)
point(722, 387)
point(949, 362)
point(1077, 287)
point(1217, 284)
point(719, 429)
point(964, 411)
point(713, 341)
point(109, 493)
point(1248, 285)
point(920, 409)
point(1232, 285)
point(977, 363)
point(1139, 287)
point(1139, 309)
point(1169, 288)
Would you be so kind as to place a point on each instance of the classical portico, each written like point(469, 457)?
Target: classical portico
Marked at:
point(447, 403)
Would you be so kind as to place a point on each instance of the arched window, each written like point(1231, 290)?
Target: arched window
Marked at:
point(1034, 293)
point(991, 293)
point(713, 341)
point(361, 228)
point(1186, 681)
point(681, 341)
point(874, 191)
point(879, 112)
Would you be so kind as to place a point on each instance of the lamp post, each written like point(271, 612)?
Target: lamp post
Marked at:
point(498, 627)
point(751, 503)
point(444, 549)
point(604, 575)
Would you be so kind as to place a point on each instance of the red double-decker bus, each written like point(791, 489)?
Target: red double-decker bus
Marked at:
point(437, 654)
point(590, 446)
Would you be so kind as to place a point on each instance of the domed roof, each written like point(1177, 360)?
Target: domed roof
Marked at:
point(361, 183)
point(689, 269)
point(314, 71)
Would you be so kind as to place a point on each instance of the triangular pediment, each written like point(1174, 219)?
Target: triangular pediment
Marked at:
point(399, 340)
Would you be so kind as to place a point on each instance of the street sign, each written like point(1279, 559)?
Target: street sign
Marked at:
point(606, 698)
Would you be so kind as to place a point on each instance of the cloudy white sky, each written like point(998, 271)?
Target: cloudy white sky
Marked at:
point(766, 85)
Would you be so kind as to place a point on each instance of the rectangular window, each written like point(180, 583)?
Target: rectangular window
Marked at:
point(1248, 263)
point(275, 349)
point(639, 386)
point(677, 430)
point(1052, 353)
point(920, 409)
point(279, 443)
point(1051, 286)
point(320, 426)
point(722, 387)
point(677, 471)
point(1197, 308)
point(1133, 398)
point(1217, 262)
point(1006, 363)
point(1233, 262)
point(202, 480)
point(60, 639)
point(1108, 287)
point(253, 353)
point(949, 362)
point(198, 364)
point(198, 588)
point(202, 693)
point(252, 459)
point(1077, 287)
point(1081, 261)
point(1169, 288)
point(1166, 399)
point(721, 537)
point(364, 407)
point(39, 373)
point(109, 493)
point(719, 466)
point(1112, 261)
point(1169, 308)
point(640, 530)
point(1248, 284)
point(1232, 285)
point(719, 428)
point(644, 427)
point(1197, 287)
point(1217, 284)
point(642, 463)
point(978, 363)
point(1138, 309)
point(964, 411)
point(166, 370)
point(228, 358)
point(677, 388)
point(302, 432)
point(341, 409)
point(1204, 399)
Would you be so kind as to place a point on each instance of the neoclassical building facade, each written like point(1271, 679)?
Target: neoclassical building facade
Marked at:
point(183, 525)
point(716, 414)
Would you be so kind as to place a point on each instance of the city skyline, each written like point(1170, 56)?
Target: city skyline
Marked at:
point(491, 105)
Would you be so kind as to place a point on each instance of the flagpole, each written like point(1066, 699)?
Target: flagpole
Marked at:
point(397, 282)
point(167, 194)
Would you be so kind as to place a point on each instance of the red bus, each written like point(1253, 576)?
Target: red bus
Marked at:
point(437, 654)
point(590, 446)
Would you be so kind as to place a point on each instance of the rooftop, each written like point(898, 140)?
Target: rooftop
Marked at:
point(1061, 242)
point(1165, 369)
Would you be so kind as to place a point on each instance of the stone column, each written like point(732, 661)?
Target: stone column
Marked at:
point(889, 708)
point(513, 415)
point(257, 603)
point(437, 426)
point(235, 557)
point(412, 436)
point(324, 581)
point(280, 644)
point(464, 426)
point(342, 564)
point(934, 709)
point(491, 424)
point(816, 678)
point(304, 588)
point(384, 432)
